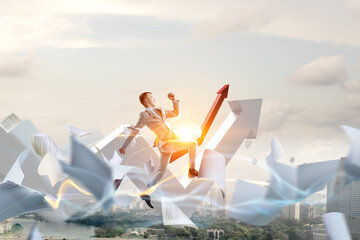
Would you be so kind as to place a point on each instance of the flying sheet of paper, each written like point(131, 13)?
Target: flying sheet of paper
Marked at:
point(276, 152)
point(50, 166)
point(13, 143)
point(336, 226)
point(125, 194)
point(116, 159)
point(88, 140)
point(249, 205)
point(76, 131)
point(295, 183)
point(92, 172)
point(34, 234)
point(16, 174)
point(99, 153)
point(119, 171)
point(313, 177)
point(213, 167)
point(43, 144)
point(173, 216)
point(17, 199)
point(149, 166)
point(283, 182)
point(135, 156)
point(10, 122)
point(32, 179)
point(352, 161)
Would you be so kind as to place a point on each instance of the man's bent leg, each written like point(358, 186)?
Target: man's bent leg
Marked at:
point(177, 145)
point(164, 161)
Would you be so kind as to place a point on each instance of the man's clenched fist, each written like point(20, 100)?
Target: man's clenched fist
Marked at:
point(171, 96)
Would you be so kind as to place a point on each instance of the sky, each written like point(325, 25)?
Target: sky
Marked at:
point(84, 63)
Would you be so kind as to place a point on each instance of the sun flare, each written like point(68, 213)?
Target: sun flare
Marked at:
point(190, 131)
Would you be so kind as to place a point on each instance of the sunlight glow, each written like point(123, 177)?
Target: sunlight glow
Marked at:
point(190, 131)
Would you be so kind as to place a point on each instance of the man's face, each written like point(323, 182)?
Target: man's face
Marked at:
point(150, 100)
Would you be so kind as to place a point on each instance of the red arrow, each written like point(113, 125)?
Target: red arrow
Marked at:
point(222, 94)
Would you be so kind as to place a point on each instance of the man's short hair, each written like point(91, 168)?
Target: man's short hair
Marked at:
point(142, 97)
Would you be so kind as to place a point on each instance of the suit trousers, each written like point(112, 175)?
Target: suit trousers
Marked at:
point(165, 153)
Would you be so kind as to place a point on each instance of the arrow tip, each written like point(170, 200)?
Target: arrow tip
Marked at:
point(224, 90)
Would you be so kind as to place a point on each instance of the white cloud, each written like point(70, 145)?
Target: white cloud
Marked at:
point(321, 71)
point(239, 18)
point(60, 24)
point(353, 6)
point(351, 87)
point(336, 23)
point(276, 115)
point(15, 66)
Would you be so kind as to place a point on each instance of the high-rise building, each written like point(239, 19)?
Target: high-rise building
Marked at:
point(346, 199)
point(291, 211)
point(217, 202)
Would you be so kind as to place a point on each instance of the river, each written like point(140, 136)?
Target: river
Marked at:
point(47, 230)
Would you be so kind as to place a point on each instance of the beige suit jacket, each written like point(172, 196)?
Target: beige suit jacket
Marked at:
point(158, 125)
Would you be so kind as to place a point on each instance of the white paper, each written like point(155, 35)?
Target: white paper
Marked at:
point(173, 216)
point(50, 166)
point(34, 234)
point(76, 131)
point(10, 122)
point(17, 199)
point(99, 153)
point(276, 152)
point(249, 204)
point(149, 166)
point(352, 161)
point(126, 192)
point(134, 157)
point(13, 143)
point(295, 183)
point(336, 226)
point(16, 174)
point(116, 159)
point(92, 172)
point(283, 182)
point(213, 167)
point(88, 140)
point(43, 144)
point(119, 171)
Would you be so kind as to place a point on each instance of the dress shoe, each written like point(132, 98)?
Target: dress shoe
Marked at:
point(147, 199)
point(193, 173)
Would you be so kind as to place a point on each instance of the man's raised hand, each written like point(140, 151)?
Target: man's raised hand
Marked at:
point(171, 96)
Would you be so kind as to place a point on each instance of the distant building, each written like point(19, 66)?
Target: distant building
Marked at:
point(307, 211)
point(215, 234)
point(291, 211)
point(5, 226)
point(346, 199)
point(217, 202)
point(316, 232)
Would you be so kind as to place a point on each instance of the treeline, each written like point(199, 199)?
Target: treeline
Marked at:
point(114, 225)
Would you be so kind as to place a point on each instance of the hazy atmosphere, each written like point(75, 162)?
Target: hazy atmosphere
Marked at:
point(84, 63)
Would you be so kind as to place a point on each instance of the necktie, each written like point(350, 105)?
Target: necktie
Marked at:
point(158, 111)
